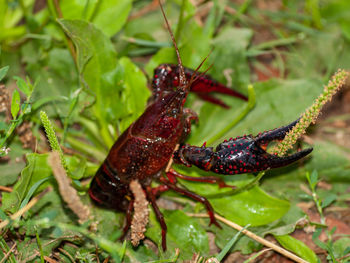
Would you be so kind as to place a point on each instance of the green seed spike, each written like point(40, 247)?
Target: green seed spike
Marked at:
point(311, 114)
point(51, 136)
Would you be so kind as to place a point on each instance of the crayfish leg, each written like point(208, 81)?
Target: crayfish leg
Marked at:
point(205, 179)
point(159, 215)
point(194, 196)
point(128, 219)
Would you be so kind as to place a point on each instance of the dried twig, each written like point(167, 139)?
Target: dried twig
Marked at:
point(50, 260)
point(8, 253)
point(141, 213)
point(21, 211)
point(261, 240)
point(5, 189)
point(68, 193)
point(171, 159)
point(149, 8)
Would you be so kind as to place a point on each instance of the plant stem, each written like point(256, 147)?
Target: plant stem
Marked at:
point(249, 106)
point(254, 237)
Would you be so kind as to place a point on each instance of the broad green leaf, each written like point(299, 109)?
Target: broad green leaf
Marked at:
point(97, 62)
point(229, 53)
point(330, 198)
point(23, 86)
point(341, 247)
point(3, 72)
point(76, 166)
point(112, 10)
point(36, 169)
point(254, 207)
point(183, 232)
point(11, 169)
point(135, 91)
point(113, 83)
point(99, 13)
point(297, 247)
point(286, 224)
point(15, 104)
point(86, 38)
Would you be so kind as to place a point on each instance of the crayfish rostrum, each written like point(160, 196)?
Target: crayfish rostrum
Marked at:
point(145, 148)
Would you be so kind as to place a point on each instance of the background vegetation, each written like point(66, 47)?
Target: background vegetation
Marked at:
point(86, 65)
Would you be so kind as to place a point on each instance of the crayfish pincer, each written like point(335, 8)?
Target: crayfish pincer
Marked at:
point(145, 148)
point(246, 154)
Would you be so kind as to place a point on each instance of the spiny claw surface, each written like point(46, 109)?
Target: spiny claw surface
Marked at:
point(240, 155)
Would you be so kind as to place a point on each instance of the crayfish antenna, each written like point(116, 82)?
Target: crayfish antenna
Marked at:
point(183, 80)
point(184, 84)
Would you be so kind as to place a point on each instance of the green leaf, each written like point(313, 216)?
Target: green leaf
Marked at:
point(183, 232)
point(135, 92)
point(317, 241)
point(11, 169)
point(36, 170)
point(341, 247)
point(3, 72)
point(297, 247)
point(99, 13)
point(230, 53)
point(32, 191)
point(330, 198)
point(120, 88)
point(76, 166)
point(253, 206)
point(229, 245)
point(286, 224)
point(15, 104)
point(244, 244)
point(85, 38)
point(23, 86)
point(314, 178)
point(96, 59)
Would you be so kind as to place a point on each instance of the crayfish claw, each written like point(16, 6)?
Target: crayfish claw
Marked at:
point(275, 161)
point(275, 134)
point(246, 154)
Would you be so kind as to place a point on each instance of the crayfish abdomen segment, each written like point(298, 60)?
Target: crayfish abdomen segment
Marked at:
point(107, 190)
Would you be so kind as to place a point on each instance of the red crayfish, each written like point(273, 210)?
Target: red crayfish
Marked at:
point(144, 149)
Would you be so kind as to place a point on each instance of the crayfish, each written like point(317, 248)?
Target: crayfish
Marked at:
point(145, 148)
